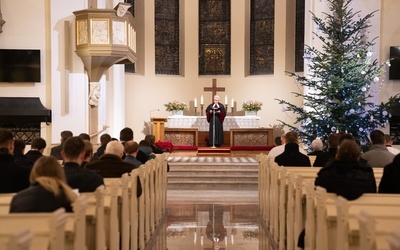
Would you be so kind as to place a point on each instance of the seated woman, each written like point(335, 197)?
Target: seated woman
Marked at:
point(48, 191)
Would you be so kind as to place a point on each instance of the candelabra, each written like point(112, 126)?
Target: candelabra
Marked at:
point(195, 111)
point(201, 110)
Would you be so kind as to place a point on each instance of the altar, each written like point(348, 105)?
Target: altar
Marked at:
point(200, 122)
point(238, 131)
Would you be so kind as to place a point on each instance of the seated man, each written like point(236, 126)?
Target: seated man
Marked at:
point(316, 147)
point(78, 177)
point(13, 177)
point(131, 150)
point(111, 165)
point(56, 151)
point(292, 156)
point(390, 179)
point(389, 143)
point(333, 143)
point(378, 155)
point(278, 149)
point(37, 148)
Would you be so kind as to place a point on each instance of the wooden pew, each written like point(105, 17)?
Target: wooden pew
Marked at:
point(394, 239)
point(48, 228)
point(337, 222)
point(21, 239)
point(375, 228)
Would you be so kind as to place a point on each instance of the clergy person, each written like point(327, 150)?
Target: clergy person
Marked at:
point(215, 117)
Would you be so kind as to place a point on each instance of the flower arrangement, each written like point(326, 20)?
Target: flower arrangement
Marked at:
point(252, 105)
point(165, 146)
point(175, 105)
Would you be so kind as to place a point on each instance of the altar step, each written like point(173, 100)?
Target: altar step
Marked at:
point(211, 175)
point(209, 151)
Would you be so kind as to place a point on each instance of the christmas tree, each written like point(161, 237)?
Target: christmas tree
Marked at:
point(339, 80)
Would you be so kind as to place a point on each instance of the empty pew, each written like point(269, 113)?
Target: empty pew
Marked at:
point(48, 228)
point(394, 239)
point(20, 239)
point(337, 222)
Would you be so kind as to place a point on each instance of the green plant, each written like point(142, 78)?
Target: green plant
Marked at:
point(175, 105)
point(252, 105)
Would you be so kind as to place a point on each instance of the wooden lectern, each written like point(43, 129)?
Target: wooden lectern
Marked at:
point(158, 127)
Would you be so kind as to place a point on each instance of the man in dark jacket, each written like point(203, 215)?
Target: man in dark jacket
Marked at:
point(77, 177)
point(13, 177)
point(37, 148)
point(291, 156)
point(333, 143)
point(111, 165)
point(390, 178)
point(346, 176)
point(126, 134)
point(56, 151)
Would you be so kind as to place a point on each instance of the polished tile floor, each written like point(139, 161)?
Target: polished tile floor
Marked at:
point(211, 220)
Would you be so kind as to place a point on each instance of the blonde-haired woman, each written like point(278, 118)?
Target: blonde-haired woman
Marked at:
point(48, 191)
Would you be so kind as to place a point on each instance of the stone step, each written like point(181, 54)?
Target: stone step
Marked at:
point(230, 172)
point(213, 173)
point(213, 178)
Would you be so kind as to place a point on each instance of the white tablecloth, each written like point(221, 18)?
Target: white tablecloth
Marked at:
point(201, 123)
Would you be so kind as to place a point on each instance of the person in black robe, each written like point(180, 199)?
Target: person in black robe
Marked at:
point(216, 132)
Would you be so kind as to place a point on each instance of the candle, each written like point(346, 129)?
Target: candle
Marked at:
point(201, 100)
point(226, 99)
point(232, 103)
point(195, 102)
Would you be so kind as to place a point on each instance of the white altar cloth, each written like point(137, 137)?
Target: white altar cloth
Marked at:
point(201, 123)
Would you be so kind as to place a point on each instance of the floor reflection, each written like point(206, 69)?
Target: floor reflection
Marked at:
point(213, 226)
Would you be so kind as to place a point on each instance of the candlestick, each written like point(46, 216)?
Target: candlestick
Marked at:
point(201, 100)
point(226, 100)
point(195, 111)
point(232, 110)
point(201, 110)
point(195, 102)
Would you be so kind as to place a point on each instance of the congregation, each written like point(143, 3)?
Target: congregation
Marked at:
point(71, 168)
point(46, 183)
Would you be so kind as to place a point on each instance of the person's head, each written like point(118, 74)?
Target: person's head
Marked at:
point(283, 138)
point(377, 137)
point(38, 144)
point(65, 135)
point(19, 147)
point(104, 139)
point(73, 150)
point(388, 140)
point(346, 137)
point(150, 138)
point(348, 151)
point(84, 136)
point(88, 150)
point(216, 98)
point(277, 141)
point(114, 148)
point(7, 140)
point(292, 137)
point(333, 140)
point(317, 145)
point(144, 143)
point(50, 175)
point(126, 134)
point(131, 147)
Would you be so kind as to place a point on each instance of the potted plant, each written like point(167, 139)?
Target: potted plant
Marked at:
point(251, 107)
point(176, 107)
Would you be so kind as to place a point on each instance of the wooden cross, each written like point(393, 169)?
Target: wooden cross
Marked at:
point(214, 88)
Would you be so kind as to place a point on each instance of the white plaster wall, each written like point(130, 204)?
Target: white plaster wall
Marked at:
point(69, 83)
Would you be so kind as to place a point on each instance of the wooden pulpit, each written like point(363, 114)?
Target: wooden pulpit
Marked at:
point(158, 127)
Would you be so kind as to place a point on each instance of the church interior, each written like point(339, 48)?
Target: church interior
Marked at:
point(230, 197)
